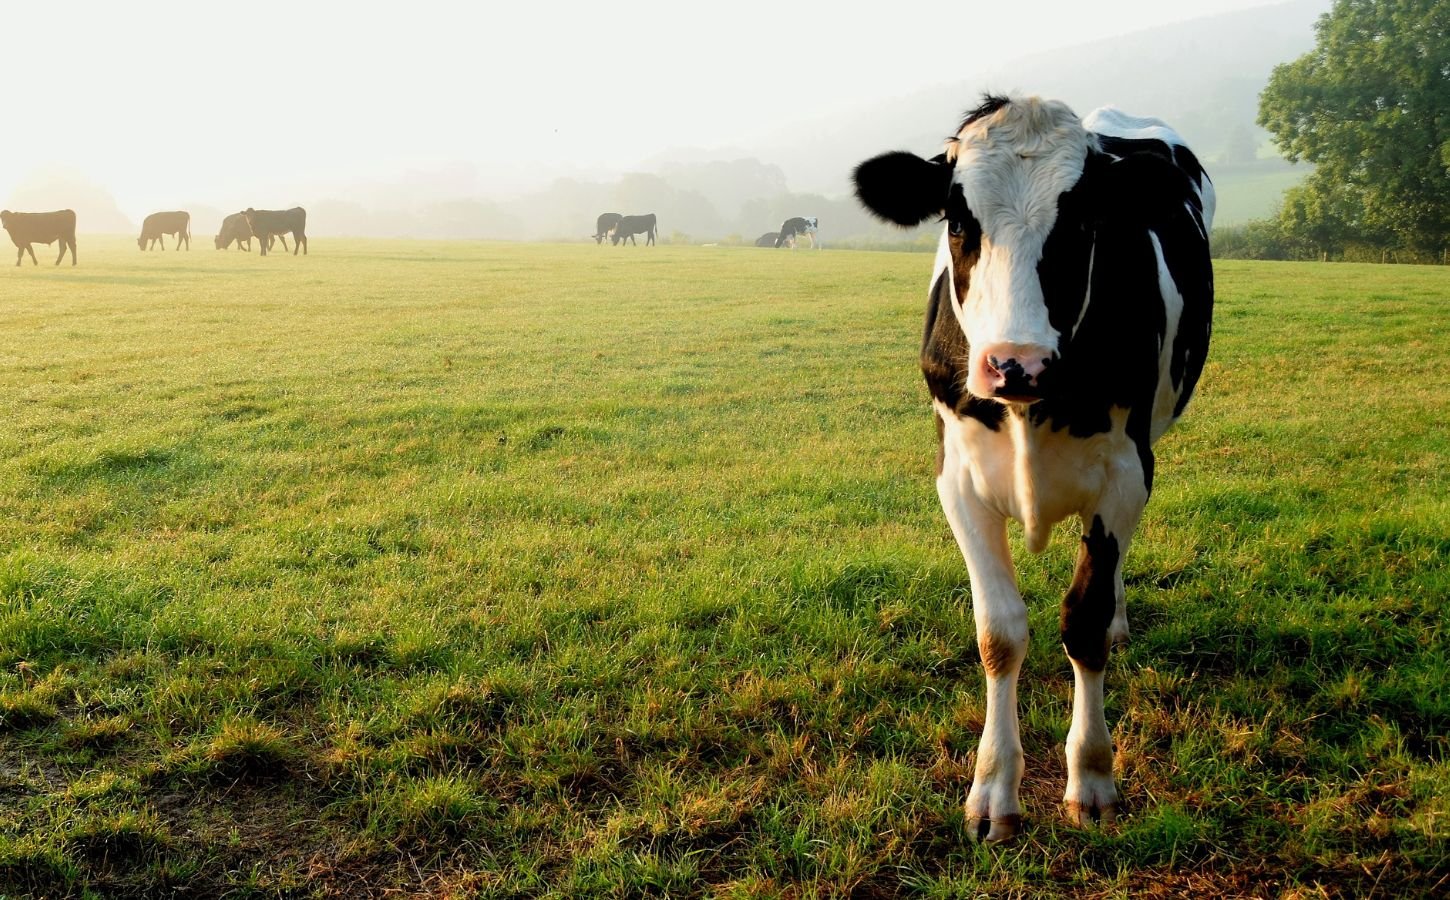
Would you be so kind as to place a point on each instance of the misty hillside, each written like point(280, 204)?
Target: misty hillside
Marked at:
point(1203, 77)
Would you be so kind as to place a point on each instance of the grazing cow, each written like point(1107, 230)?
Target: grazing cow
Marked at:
point(41, 228)
point(605, 225)
point(157, 224)
point(235, 228)
point(768, 239)
point(269, 223)
point(629, 226)
point(1066, 326)
point(790, 229)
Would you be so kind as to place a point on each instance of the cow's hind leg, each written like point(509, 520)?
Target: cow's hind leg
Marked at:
point(1090, 613)
point(993, 810)
point(33, 261)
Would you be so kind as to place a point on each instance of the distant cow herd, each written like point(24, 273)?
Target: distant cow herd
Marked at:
point(271, 225)
point(619, 229)
point(267, 225)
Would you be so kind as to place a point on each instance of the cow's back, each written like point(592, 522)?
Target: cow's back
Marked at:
point(1183, 250)
point(166, 223)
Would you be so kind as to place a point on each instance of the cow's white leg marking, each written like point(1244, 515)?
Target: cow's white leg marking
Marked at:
point(994, 811)
point(1094, 616)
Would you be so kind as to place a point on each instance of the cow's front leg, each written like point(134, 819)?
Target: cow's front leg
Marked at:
point(1092, 613)
point(994, 812)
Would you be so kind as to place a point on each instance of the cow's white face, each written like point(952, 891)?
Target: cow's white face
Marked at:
point(1011, 166)
point(998, 186)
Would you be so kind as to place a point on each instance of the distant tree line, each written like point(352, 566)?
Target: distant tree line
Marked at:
point(1369, 106)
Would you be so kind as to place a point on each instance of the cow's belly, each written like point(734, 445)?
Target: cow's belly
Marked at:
point(1034, 474)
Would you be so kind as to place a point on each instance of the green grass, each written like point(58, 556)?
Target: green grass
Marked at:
point(518, 570)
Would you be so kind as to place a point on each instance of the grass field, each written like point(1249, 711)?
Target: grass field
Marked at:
point(518, 570)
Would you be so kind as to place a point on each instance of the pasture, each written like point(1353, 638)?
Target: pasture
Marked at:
point(465, 569)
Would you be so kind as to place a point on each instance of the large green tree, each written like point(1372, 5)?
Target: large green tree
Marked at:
point(1370, 108)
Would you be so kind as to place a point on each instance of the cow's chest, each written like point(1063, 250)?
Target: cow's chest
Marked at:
point(1034, 474)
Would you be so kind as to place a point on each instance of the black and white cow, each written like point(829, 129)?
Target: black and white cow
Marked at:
point(1066, 327)
point(604, 225)
point(793, 228)
point(629, 226)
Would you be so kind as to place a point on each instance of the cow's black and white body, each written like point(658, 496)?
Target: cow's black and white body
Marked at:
point(1067, 325)
point(629, 226)
point(176, 223)
point(269, 223)
point(41, 228)
point(606, 223)
point(792, 229)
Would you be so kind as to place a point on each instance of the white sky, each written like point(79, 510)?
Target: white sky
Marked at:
point(234, 103)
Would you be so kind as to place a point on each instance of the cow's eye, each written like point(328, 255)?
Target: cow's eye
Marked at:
point(957, 227)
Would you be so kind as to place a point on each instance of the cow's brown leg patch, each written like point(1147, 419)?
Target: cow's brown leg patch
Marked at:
point(999, 655)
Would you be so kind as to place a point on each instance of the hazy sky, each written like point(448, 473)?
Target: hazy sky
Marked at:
point(272, 103)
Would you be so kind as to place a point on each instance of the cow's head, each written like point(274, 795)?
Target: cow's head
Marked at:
point(1022, 188)
point(221, 244)
point(4, 218)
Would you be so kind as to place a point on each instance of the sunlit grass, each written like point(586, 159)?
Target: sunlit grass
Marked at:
point(513, 570)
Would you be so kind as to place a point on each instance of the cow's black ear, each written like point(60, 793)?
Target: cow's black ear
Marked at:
point(1140, 188)
point(903, 188)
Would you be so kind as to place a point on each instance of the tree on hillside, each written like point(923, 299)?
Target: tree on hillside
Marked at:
point(1370, 107)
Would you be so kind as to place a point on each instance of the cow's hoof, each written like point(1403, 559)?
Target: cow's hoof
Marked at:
point(1118, 634)
point(988, 830)
point(1088, 815)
